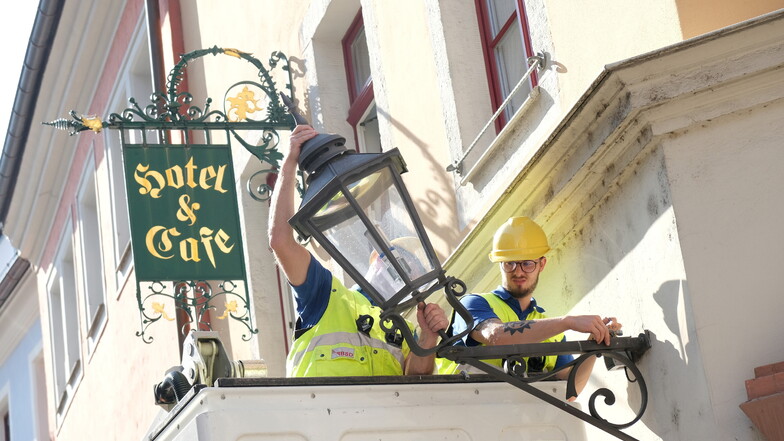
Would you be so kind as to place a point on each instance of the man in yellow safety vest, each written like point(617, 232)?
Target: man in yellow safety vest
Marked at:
point(338, 330)
point(511, 315)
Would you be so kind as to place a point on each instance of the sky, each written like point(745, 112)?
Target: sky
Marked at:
point(15, 27)
point(16, 23)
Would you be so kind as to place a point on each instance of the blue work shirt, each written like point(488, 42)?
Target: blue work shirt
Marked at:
point(312, 296)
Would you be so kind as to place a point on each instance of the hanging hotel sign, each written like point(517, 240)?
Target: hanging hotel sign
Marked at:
point(185, 225)
point(183, 209)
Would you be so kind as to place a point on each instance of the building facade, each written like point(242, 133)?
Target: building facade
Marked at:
point(644, 140)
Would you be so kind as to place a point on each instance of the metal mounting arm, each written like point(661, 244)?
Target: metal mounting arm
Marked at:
point(622, 352)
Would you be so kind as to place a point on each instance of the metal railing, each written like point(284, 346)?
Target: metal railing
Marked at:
point(538, 61)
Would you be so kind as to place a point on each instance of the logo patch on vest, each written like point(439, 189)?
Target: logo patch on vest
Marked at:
point(342, 353)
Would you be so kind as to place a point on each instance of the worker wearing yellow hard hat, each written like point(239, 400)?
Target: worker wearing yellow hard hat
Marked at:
point(510, 314)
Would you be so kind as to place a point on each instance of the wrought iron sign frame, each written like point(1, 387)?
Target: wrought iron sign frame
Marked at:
point(173, 111)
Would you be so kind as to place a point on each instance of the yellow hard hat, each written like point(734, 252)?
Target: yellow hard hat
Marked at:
point(519, 238)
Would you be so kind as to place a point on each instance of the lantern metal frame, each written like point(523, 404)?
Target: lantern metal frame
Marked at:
point(333, 178)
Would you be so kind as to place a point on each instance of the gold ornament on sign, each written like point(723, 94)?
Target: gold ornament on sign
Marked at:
point(230, 307)
point(244, 103)
point(235, 52)
point(93, 123)
point(158, 307)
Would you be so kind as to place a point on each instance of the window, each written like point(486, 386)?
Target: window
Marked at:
point(362, 111)
point(506, 46)
point(91, 259)
point(134, 80)
point(5, 435)
point(63, 325)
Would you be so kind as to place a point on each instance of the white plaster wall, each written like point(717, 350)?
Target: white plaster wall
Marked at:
point(408, 101)
point(726, 189)
point(623, 260)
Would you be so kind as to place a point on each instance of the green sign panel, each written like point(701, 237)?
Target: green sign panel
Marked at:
point(183, 209)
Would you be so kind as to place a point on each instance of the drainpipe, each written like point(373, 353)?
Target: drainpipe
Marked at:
point(38, 49)
point(153, 16)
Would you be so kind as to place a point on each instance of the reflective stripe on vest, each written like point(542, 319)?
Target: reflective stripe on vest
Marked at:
point(353, 339)
point(334, 346)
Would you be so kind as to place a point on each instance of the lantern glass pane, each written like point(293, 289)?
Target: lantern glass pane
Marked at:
point(379, 199)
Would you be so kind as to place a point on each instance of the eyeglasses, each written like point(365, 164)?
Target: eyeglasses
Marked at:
point(527, 266)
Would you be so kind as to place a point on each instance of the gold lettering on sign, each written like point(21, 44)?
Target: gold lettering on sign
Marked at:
point(189, 250)
point(152, 182)
point(187, 210)
point(159, 244)
point(164, 244)
point(144, 181)
point(220, 239)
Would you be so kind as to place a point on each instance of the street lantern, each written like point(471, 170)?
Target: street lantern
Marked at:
point(358, 209)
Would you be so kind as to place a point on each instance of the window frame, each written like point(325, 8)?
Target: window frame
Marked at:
point(88, 287)
point(489, 43)
point(360, 103)
point(64, 393)
point(38, 377)
point(126, 85)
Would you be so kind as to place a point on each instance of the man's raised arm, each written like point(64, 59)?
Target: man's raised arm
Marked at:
point(291, 256)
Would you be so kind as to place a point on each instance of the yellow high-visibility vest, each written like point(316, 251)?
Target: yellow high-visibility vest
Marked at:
point(506, 314)
point(334, 347)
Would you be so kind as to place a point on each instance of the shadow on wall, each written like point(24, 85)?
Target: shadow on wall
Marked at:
point(675, 408)
point(677, 395)
point(439, 196)
point(636, 205)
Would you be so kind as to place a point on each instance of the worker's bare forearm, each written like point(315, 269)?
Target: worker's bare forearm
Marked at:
point(416, 365)
point(291, 256)
point(495, 332)
point(282, 207)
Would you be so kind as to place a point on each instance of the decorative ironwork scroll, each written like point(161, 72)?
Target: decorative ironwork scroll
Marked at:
point(622, 353)
point(186, 235)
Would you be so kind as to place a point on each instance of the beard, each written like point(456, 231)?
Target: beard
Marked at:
point(524, 292)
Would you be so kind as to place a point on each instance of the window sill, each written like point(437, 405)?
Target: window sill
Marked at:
point(502, 136)
point(98, 324)
point(67, 395)
point(123, 271)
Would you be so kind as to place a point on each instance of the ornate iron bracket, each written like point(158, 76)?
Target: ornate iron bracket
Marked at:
point(174, 111)
point(249, 107)
point(196, 300)
point(622, 353)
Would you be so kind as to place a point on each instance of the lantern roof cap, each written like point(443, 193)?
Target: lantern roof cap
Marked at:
point(319, 150)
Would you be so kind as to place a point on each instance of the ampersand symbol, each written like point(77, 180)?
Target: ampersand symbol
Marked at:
point(187, 210)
